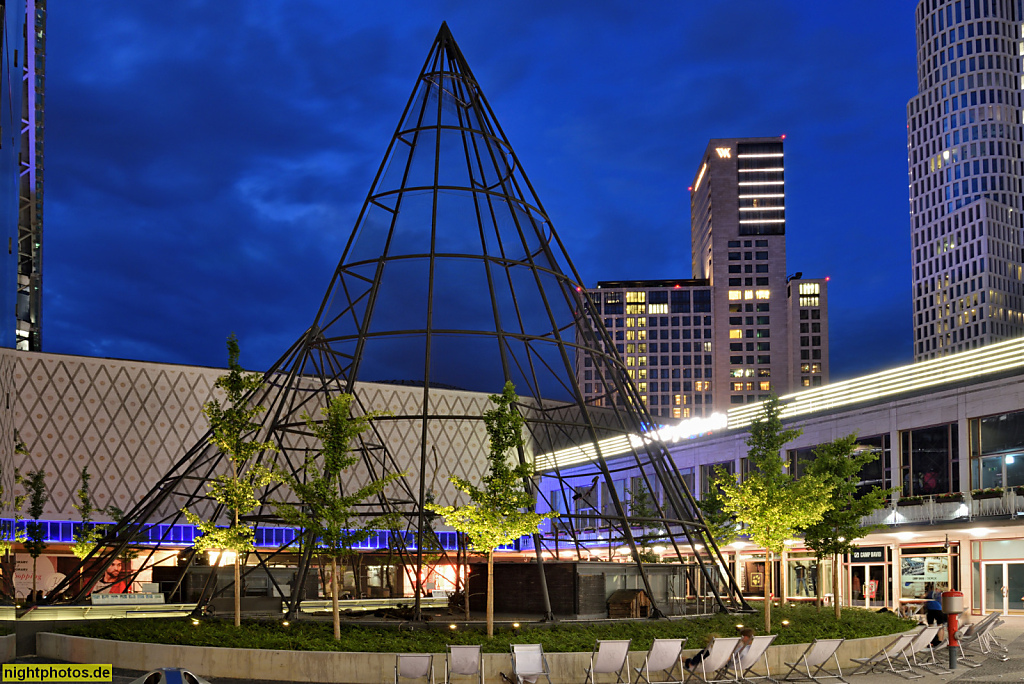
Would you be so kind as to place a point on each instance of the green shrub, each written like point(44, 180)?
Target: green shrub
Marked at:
point(805, 624)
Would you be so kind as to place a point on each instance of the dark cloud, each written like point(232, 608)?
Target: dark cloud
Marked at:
point(206, 161)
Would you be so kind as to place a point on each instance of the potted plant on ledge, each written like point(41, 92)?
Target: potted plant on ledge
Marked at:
point(952, 497)
point(989, 493)
point(910, 500)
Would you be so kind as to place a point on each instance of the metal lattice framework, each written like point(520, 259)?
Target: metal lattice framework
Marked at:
point(454, 277)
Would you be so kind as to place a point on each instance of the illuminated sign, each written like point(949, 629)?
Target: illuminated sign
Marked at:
point(700, 176)
point(724, 152)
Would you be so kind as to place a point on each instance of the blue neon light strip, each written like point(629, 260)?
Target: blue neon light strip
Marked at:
point(63, 532)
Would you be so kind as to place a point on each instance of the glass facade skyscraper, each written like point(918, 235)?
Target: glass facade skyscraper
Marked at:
point(964, 138)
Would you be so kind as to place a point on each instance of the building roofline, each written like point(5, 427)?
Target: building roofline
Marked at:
point(681, 282)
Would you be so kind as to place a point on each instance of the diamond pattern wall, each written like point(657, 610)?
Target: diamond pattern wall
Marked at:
point(131, 421)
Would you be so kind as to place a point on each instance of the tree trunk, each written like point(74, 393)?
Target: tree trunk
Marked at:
point(32, 598)
point(490, 593)
point(819, 590)
point(835, 585)
point(334, 599)
point(768, 592)
point(784, 579)
point(238, 592)
point(357, 575)
point(465, 551)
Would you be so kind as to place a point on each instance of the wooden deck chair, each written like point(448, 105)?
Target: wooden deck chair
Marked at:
point(610, 657)
point(887, 659)
point(463, 661)
point(811, 665)
point(714, 667)
point(746, 659)
point(529, 663)
point(664, 656)
point(414, 666)
point(922, 653)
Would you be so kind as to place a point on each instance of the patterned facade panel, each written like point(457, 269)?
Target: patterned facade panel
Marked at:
point(131, 422)
point(7, 431)
point(127, 421)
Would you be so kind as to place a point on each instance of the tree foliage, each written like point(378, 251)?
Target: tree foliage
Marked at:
point(13, 534)
point(87, 535)
point(323, 508)
point(839, 463)
point(501, 510)
point(722, 525)
point(34, 483)
point(773, 504)
point(643, 507)
point(232, 426)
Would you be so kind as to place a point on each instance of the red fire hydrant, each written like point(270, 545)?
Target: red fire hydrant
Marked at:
point(952, 606)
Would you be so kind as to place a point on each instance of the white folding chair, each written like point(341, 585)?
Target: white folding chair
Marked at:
point(463, 661)
point(812, 663)
point(923, 653)
point(609, 657)
point(414, 666)
point(529, 663)
point(664, 656)
point(714, 667)
point(887, 658)
point(746, 659)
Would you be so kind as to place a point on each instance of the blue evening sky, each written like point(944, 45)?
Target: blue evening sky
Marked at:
point(206, 161)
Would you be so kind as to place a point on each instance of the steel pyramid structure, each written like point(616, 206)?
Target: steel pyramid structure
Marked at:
point(452, 282)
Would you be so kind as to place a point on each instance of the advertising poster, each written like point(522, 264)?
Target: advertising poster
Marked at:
point(918, 571)
point(47, 576)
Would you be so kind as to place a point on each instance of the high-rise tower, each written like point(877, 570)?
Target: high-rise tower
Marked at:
point(740, 329)
point(738, 243)
point(22, 71)
point(964, 138)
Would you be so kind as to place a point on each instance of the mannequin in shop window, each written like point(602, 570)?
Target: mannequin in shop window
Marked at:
point(801, 578)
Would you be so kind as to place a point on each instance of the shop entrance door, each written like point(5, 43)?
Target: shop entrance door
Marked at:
point(1004, 587)
point(869, 585)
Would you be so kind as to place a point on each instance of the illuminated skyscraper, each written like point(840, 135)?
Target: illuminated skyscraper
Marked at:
point(964, 153)
point(741, 329)
point(22, 70)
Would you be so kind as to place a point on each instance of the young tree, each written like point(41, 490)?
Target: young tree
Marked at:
point(839, 463)
point(721, 523)
point(13, 534)
point(233, 428)
point(324, 509)
point(642, 506)
point(769, 501)
point(501, 511)
point(87, 535)
point(35, 485)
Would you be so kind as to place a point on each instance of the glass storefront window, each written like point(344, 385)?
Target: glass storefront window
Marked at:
point(928, 459)
point(997, 450)
point(927, 566)
point(803, 573)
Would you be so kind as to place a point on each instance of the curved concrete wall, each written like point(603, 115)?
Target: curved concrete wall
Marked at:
point(344, 668)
